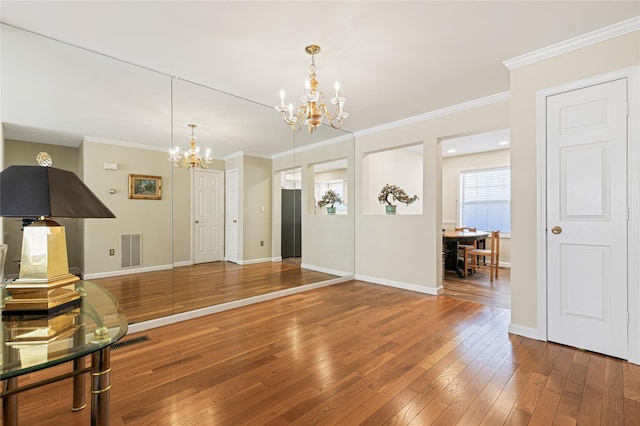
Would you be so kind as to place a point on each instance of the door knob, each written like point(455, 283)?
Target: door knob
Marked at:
point(197, 221)
point(235, 221)
point(556, 230)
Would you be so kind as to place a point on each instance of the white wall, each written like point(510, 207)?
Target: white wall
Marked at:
point(406, 250)
point(151, 218)
point(401, 167)
point(526, 81)
point(327, 240)
point(257, 209)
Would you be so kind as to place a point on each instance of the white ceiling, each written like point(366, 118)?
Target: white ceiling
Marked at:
point(478, 142)
point(393, 60)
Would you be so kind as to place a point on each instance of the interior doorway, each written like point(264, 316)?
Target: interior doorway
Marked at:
point(476, 194)
point(291, 216)
point(291, 226)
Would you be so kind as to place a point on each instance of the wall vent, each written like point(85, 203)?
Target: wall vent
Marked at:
point(131, 249)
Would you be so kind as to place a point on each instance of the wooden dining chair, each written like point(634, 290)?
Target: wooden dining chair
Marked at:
point(493, 254)
point(464, 249)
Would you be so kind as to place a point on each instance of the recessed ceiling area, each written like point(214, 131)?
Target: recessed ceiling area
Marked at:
point(478, 142)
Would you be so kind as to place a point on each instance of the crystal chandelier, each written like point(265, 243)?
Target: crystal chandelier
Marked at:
point(191, 158)
point(313, 110)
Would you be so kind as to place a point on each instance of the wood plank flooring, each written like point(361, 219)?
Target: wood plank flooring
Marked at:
point(156, 294)
point(354, 353)
point(477, 287)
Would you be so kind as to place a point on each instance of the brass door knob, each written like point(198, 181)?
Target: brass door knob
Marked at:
point(197, 221)
point(556, 230)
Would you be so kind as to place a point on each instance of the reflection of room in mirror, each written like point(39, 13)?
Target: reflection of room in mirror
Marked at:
point(129, 115)
point(331, 175)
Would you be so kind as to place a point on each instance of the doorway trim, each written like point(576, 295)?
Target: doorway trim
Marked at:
point(632, 74)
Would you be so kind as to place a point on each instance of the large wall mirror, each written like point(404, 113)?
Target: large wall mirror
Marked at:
point(246, 226)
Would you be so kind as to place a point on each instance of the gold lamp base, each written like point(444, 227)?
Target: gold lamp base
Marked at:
point(45, 284)
point(25, 330)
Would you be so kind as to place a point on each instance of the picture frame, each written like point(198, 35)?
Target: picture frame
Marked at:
point(145, 187)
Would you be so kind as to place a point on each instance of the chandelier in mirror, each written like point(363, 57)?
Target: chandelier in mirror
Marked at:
point(313, 110)
point(191, 158)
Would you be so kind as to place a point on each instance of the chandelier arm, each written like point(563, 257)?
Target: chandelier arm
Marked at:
point(339, 126)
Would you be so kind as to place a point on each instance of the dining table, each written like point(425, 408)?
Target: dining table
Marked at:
point(451, 240)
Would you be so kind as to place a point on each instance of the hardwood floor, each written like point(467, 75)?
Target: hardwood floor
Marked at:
point(477, 287)
point(156, 294)
point(350, 354)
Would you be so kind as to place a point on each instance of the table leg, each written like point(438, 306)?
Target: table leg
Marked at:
point(100, 386)
point(10, 403)
point(79, 401)
point(451, 262)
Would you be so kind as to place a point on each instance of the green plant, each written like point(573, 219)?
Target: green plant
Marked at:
point(395, 193)
point(329, 198)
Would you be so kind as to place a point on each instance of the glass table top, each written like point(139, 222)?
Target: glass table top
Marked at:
point(34, 342)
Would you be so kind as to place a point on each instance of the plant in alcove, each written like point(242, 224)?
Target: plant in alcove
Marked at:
point(390, 193)
point(330, 199)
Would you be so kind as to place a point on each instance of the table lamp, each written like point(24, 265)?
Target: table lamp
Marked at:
point(42, 192)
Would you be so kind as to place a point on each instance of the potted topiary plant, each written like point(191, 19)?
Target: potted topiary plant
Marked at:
point(330, 199)
point(390, 193)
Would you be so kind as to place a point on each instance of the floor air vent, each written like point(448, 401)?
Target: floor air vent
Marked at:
point(133, 341)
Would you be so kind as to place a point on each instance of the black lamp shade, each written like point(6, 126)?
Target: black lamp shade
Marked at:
point(34, 191)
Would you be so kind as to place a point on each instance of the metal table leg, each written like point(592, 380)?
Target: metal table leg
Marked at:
point(10, 403)
point(79, 401)
point(100, 386)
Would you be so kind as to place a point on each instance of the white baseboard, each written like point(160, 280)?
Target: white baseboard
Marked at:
point(325, 270)
point(531, 333)
point(405, 286)
point(252, 261)
point(120, 272)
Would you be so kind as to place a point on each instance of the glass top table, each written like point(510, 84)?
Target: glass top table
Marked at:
point(36, 342)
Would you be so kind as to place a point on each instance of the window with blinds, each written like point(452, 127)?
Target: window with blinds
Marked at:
point(485, 199)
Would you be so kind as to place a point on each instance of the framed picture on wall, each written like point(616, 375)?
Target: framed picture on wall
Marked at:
point(143, 187)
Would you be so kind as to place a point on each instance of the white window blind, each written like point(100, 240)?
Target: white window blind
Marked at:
point(485, 199)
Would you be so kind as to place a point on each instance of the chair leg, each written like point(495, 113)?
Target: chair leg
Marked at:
point(491, 266)
point(466, 260)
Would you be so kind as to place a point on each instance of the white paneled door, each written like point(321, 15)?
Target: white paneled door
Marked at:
point(232, 217)
point(587, 218)
point(208, 223)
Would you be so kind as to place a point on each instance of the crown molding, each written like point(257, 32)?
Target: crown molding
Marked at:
point(476, 103)
point(584, 40)
point(246, 154)
point(124, 144)
point(345, 137)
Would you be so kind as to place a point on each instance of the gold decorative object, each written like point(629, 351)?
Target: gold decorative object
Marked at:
point(44, 159)
point(30, 329)
point(191, 158)
point(313, 110)
point(38, 193)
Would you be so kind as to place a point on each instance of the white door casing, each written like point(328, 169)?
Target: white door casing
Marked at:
point(208, 220)
point(586, 202)
point(232, 217)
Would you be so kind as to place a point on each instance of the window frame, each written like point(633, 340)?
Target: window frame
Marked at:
point(459, 190)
